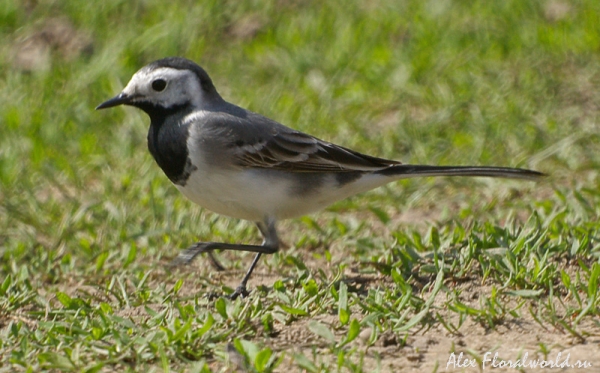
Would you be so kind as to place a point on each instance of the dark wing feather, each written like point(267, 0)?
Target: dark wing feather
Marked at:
point(291, 150)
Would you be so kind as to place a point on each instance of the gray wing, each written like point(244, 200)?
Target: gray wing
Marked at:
point(258, 142)
point(295, 151)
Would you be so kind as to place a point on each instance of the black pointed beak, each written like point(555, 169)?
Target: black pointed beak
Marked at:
point(120, 99)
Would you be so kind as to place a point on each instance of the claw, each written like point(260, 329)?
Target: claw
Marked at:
point(239, 291)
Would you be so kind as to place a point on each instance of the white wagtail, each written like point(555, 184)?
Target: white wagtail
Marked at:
point(238, 163)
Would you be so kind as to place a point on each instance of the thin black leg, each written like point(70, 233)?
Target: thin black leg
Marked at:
point(270, 245)
point(241, 289)
point(189, 254)
point(272, 241)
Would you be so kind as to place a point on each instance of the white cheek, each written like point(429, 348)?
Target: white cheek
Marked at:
point(181, 92)
point(195, 92)
point(175, 95)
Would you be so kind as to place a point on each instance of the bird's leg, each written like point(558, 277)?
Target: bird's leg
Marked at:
point(241, 289)
point(270, 240)
point(270, 245)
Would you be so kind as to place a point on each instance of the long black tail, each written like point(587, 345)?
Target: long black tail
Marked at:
point(407, 170)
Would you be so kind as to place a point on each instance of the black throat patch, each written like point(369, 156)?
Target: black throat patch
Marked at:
point(167, 142)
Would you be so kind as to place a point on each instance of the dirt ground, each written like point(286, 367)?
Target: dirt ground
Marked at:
point(471, 349)
point(432, 350)
point(516, 339)
point(424, 352)
point(437, 349)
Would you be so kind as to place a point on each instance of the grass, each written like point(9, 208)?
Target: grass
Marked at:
point(88, 221)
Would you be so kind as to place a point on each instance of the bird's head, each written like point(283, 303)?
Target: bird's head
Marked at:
point(167, 85)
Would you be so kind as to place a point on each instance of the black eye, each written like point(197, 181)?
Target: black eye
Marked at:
point(159, 84)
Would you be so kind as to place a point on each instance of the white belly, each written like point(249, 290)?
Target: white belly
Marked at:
point(254, 194)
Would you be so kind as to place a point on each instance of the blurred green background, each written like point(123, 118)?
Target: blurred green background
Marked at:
point(507, 83)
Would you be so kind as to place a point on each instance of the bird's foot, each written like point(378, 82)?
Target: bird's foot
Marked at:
point(239, 291)
point(186, 256)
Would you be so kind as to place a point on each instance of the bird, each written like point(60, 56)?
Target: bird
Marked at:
point(241, 164)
